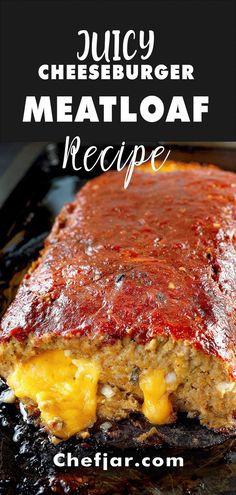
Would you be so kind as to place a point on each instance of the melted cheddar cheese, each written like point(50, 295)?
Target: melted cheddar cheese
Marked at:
point(156, 406)
point(64, 389)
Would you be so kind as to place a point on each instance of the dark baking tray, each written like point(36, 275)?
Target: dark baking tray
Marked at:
point(26, 466)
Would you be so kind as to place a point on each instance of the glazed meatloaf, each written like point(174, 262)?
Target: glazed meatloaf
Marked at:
point(131, 305)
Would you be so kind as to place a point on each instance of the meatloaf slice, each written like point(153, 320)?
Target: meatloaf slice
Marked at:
point(131, 305)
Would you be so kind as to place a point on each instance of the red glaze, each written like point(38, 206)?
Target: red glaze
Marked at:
point(155, 259)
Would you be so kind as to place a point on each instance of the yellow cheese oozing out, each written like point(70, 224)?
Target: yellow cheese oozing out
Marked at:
point(65, 390)
point(156, 406)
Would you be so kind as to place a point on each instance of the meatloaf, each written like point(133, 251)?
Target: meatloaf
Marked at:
point(130, 306)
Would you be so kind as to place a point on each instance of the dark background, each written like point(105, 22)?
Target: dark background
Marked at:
point(197, 32)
